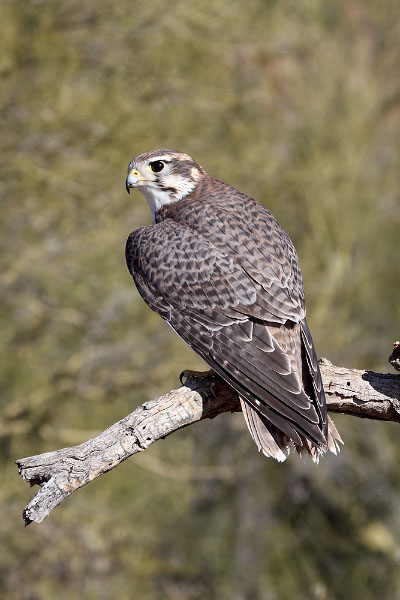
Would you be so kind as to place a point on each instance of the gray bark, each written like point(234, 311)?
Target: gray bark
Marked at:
point(59, 473)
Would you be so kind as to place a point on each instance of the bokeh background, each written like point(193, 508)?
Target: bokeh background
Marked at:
point(296, 103)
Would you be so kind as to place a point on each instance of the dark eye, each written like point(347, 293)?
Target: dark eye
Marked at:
point(156, 166)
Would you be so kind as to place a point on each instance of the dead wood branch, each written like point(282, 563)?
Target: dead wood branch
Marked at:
point(59, 473)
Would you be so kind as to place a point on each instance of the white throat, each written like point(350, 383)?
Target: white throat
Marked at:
point(157, 198)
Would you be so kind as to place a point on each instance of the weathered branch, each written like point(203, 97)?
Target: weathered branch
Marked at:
point(59, 473)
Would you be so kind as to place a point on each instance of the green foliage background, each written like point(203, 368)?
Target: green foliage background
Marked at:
point(298, 104)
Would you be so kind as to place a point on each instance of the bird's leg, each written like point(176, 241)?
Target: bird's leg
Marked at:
point(198, 374)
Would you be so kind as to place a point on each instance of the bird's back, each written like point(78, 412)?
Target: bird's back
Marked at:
point(220, 269)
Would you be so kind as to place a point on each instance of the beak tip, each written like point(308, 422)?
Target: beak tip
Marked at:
point(127, 187)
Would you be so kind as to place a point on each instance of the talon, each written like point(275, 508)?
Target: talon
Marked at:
point(199, 374)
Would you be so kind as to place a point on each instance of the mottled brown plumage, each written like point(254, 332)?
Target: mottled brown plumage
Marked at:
point(217, 266)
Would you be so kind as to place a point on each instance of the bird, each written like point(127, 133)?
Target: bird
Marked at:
point(217, 266)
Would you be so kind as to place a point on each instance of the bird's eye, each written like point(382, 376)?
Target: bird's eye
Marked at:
point(156, 166)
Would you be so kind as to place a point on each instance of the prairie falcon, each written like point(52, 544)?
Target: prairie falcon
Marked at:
point(217, 266)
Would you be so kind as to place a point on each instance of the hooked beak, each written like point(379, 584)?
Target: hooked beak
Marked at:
point(133, 180)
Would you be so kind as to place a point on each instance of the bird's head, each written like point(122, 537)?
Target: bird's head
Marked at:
point(163, 177)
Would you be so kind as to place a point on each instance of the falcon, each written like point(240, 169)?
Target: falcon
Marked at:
point(217, 266)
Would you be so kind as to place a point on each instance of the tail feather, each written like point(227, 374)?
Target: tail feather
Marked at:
point(275, 444)
point(333, 437)
point(269, 440)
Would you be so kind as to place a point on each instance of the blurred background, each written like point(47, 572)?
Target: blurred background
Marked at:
point(297, 103)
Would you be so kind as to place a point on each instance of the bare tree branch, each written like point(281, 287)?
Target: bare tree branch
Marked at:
point(59, 473)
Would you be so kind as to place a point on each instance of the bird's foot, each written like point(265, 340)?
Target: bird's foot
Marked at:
point(198, 374)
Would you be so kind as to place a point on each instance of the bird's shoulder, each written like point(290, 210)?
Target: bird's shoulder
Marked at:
point(238, 224)
point(216, 221)
point(219, 211)
point(213, 196)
